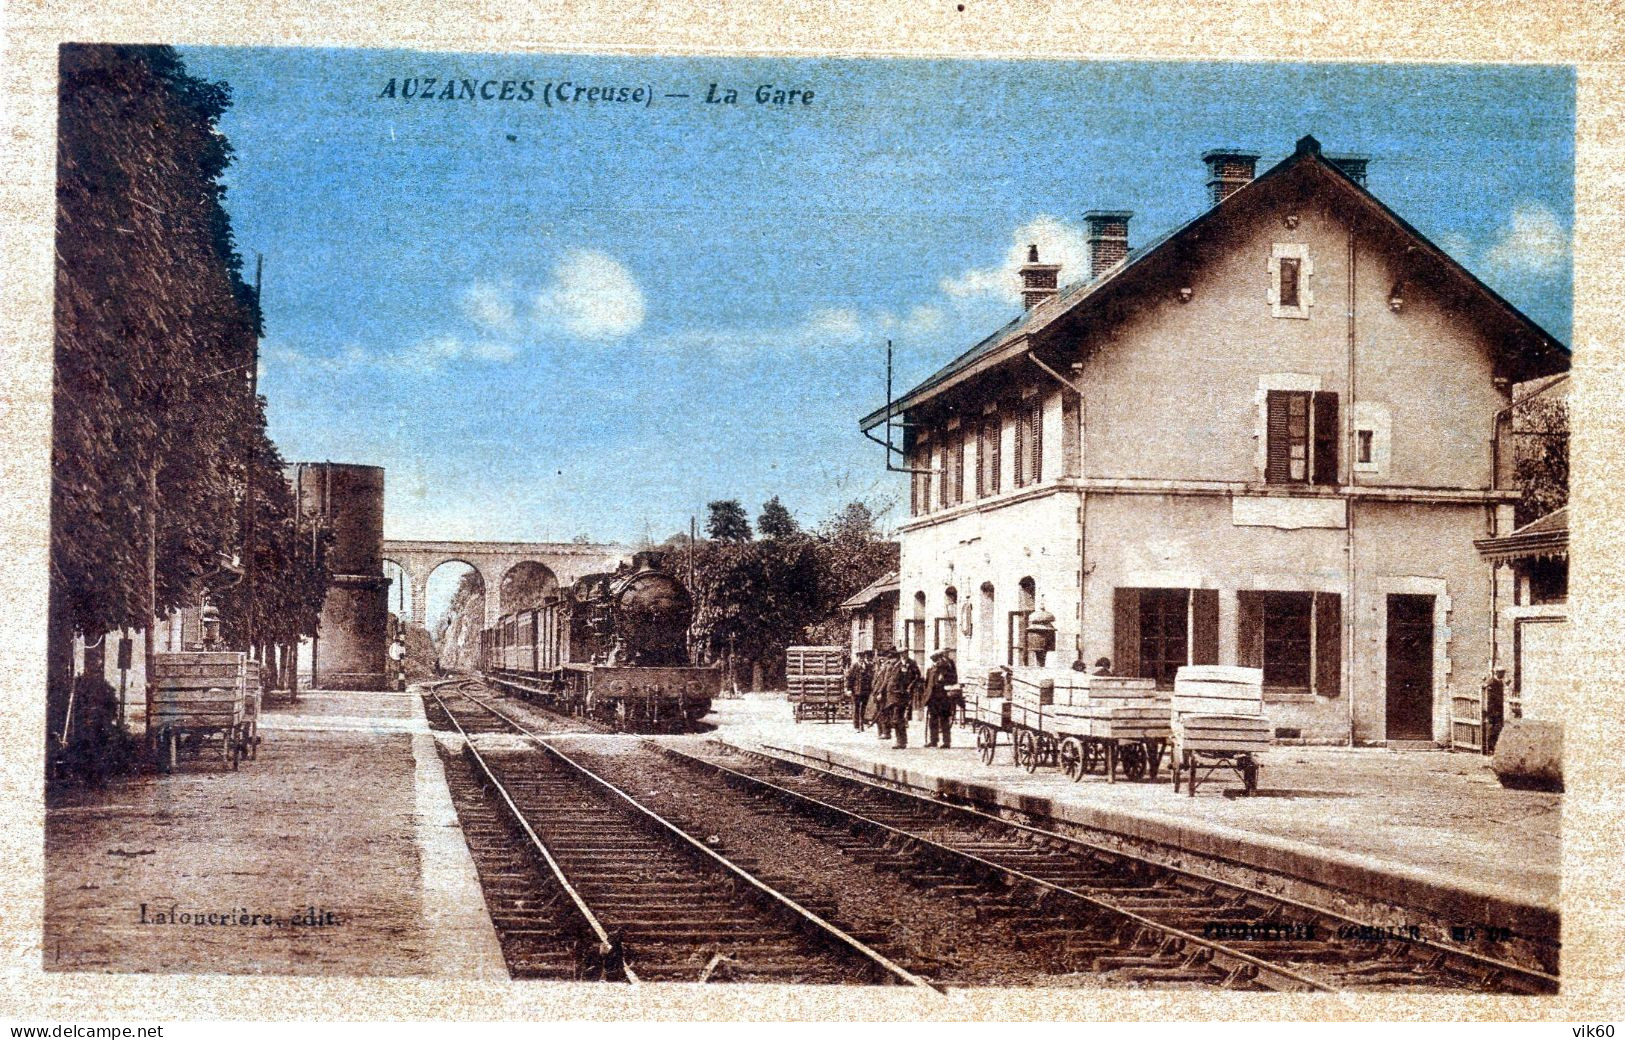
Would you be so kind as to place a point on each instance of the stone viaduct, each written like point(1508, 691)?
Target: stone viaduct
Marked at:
point(564, 562)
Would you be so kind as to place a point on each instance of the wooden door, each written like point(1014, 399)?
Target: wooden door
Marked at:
point(1410, 667)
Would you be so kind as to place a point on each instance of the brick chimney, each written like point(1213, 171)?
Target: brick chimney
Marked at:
point(1227, 170)
point(1108, 239)
point(1039, 281)
point(1353, 165)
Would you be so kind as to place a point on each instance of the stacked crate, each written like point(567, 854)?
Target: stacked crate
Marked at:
point(1113, 707)
point(816, 679)
point(988, 703)
point(1219, 709)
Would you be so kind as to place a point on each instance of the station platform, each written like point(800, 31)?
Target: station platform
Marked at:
point(342, 831)
point(1430, 831)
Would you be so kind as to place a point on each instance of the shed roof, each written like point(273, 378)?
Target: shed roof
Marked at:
point(886, 583)
point(1546, 536)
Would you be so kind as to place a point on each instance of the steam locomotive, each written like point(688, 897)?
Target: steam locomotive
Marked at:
point(611, 647)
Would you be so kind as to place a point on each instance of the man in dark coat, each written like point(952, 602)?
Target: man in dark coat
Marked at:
point(860, 679)
point(913, 684)
point(892, 690)
point(941, 697)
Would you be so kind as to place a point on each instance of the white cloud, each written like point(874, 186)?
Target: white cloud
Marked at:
point(491, 307)
point(1058, 243)
point(840, 325)
point(591, 295)
point(823, 329)
point(1534, 243)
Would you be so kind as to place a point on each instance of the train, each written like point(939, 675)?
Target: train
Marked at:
point(612, 647)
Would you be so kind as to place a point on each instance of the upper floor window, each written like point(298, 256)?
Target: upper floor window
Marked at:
point(1301, 435)
point(918, 455)
point(1290, 270)
point(988, 455)
point(1029, 442)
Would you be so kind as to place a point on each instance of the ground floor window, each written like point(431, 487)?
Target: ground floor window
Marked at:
point(1018, 636)
point(1164, 635)
point(1295, 637)
point(1156, 631)
point(914, 640)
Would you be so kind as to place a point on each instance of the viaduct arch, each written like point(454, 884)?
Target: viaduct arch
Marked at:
point(569, 562)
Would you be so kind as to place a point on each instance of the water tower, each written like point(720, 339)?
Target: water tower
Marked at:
point(351, 642)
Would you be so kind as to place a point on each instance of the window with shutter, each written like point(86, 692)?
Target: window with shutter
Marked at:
point(1164, 632)
point(1301, 437)
point(995, 454)
point(981, 459)
point(1249, 629)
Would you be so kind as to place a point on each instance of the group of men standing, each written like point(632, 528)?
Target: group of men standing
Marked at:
point(884, 693)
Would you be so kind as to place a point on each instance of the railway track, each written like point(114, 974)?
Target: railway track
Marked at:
point(1267, 939)
point(1092, 911)
point(585, 882)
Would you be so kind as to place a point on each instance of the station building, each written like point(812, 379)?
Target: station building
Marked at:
point(1268, 438)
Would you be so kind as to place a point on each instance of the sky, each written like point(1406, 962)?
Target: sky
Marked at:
point(549, 320)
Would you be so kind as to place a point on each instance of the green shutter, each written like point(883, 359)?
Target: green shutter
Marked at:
point(1328, 644)
point(1326, 437)
point(1204, 626)
point(1125, 631)
point(1277, 438)
point(1250, 629)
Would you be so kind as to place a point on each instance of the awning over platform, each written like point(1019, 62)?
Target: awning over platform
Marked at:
point(1547, 537)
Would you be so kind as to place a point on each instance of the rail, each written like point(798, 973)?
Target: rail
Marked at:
point(888, 968)
point(1534, 980)
point(606, 944)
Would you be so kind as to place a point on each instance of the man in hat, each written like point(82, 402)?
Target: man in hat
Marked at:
point(860, 679)
point(891, 693)
point(941, 692)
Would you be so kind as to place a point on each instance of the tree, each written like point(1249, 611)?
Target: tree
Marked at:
point(1540, 468)
point(153, 421)
point(727, 522)
point(457, 633)
point(776, 521)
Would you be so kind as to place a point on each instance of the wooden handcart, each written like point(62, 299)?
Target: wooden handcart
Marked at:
point(1218, 723)
point(987, 709)
point(816, 678)
point(1090, 724)
point(198, 703)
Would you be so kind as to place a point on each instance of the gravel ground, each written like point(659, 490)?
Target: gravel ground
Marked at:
point(957, 939)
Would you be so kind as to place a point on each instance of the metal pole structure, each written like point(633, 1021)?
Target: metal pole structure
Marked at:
point(253, 437)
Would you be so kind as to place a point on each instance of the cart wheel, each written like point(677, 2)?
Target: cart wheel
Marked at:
point(1071, 755)
point(1132, 756)
point(1249, 775)
point(1026, 750)
point(987, 742)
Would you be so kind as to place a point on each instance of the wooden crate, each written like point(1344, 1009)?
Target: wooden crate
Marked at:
point(1230, 733)
point(817, 687)
point(1218, 690)
point(199, 689)
point(814, 660)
